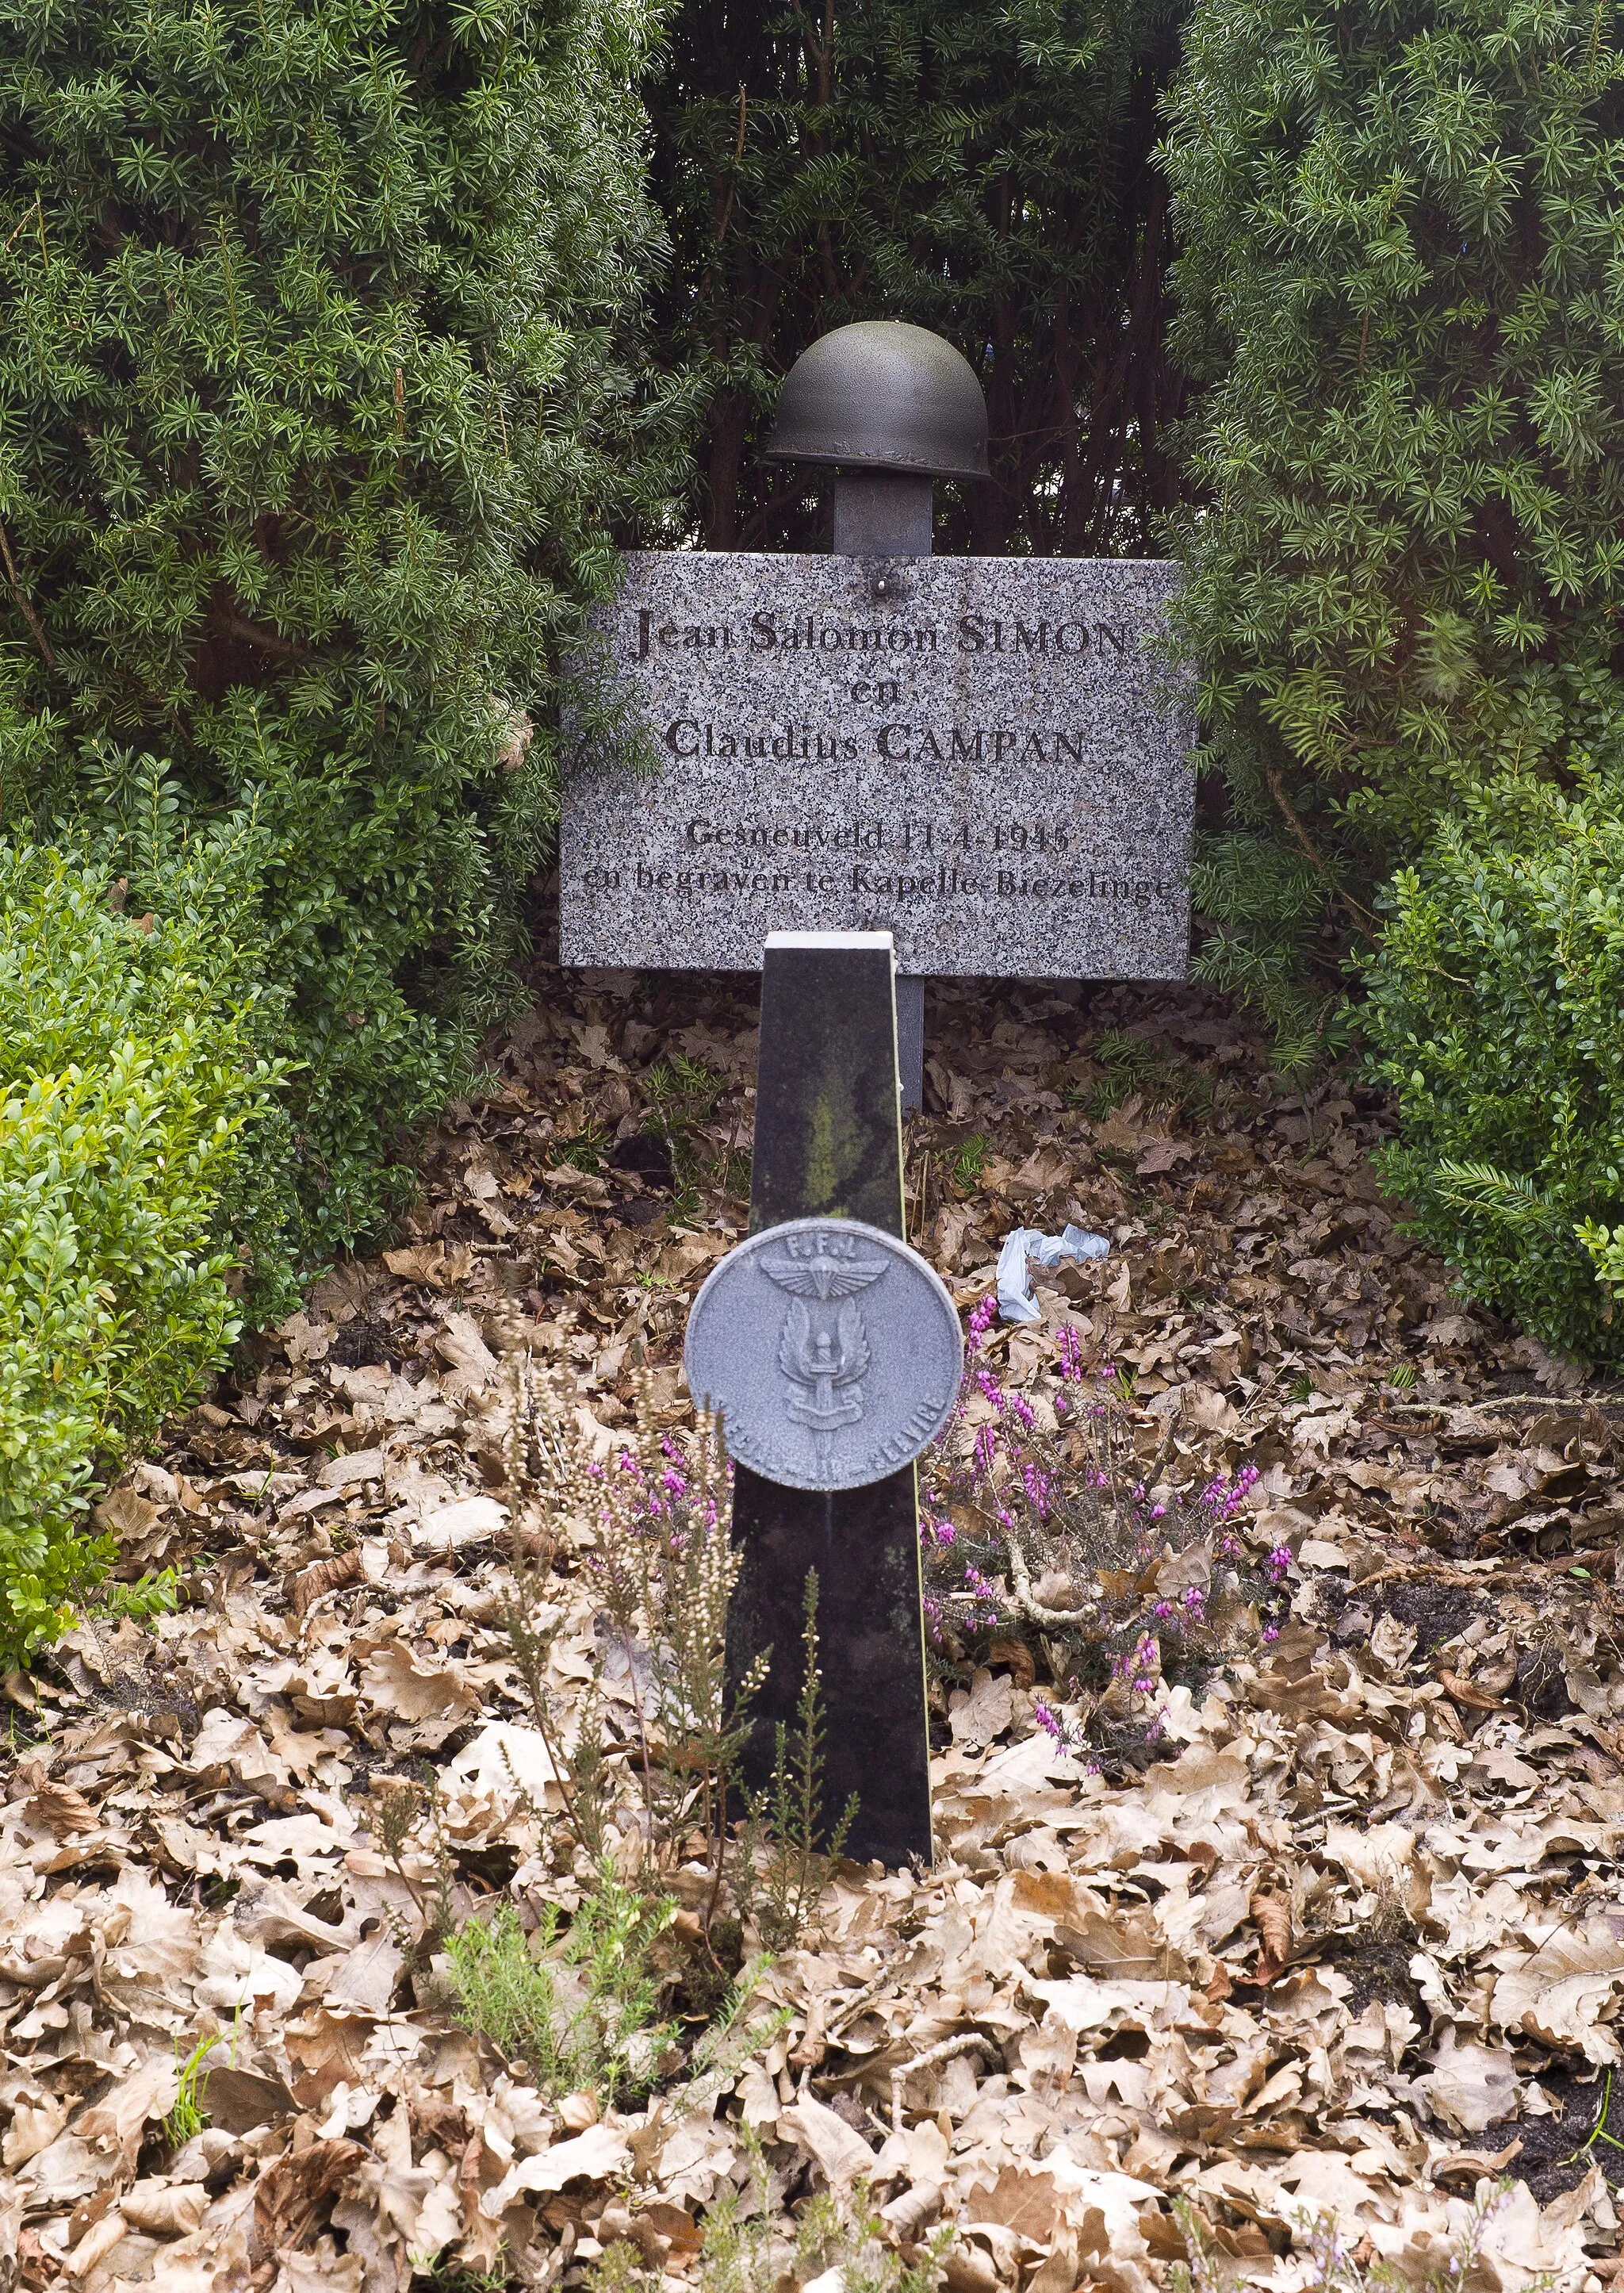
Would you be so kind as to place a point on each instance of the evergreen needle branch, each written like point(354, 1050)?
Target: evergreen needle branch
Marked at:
point(233, 624)
point(23, 606)
point(1366, 922)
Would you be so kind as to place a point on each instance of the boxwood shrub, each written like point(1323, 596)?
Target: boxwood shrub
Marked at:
point(128, 1072)
point(1497, 1005)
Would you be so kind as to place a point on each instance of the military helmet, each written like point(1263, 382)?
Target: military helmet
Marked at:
point(883, 395)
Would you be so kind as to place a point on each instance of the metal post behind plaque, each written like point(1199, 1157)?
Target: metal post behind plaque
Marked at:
point(892, 408)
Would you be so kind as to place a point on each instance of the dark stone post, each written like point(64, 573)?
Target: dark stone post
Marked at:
point(828, 1143)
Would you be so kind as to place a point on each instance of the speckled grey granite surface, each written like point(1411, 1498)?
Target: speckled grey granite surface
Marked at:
point(984, 755)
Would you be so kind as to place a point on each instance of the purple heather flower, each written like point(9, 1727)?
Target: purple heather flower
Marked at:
point(992, 1391)
point(1039, 1489)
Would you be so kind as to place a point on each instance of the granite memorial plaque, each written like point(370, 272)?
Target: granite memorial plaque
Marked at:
point(830, 1351)
point(987, 758)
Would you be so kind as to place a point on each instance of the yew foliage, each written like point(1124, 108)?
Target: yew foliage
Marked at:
point(320, 411)
point(1401, 285)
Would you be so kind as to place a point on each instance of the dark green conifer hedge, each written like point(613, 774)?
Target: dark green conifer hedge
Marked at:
point(322, 403)
point(1401, 287)
point(981, 170)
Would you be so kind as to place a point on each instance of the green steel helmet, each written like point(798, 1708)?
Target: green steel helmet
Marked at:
point(883, 395)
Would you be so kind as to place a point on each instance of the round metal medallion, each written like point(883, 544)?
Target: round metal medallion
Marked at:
point(830, 1351)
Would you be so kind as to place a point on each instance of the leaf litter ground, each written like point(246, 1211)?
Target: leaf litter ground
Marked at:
point(1341, 1933)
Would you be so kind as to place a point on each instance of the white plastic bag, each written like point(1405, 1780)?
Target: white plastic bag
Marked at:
point(1016, 1302)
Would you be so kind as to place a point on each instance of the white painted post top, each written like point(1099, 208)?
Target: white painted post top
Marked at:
point(832, 939)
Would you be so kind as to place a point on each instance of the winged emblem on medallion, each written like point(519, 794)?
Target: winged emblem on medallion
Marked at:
point(823, 1272)
point(825, 1353)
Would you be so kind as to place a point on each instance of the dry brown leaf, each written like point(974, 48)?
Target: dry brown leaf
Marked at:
point(120, 2119)
point(294, 2193)
point(62, 1810)
point(1018, 1657)
point(323, 1577)
point(352, 1469)
point(432, 1264)
point(1053, 1894)
point(1271, 1915)
point(1027, 2203)
point(681, 2233)
point(1467, 2168)
point(843, 2156)
point(417, 1689)
point(966, 2269)
point(1121, 1947)
point(239, 2100)
point(1467, 1694)
point(1562, 1992)
point(163, 2208)
point(126, 1515)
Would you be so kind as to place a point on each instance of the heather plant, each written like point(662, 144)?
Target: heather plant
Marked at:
point(578, 2003)
point(577, 2007)
point(1038, 1515)
point(655, 1518)
point(785, 1838)
point(403, 1809)
point(1336, 2263)
point(837, 2234)
point(663, 1565)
